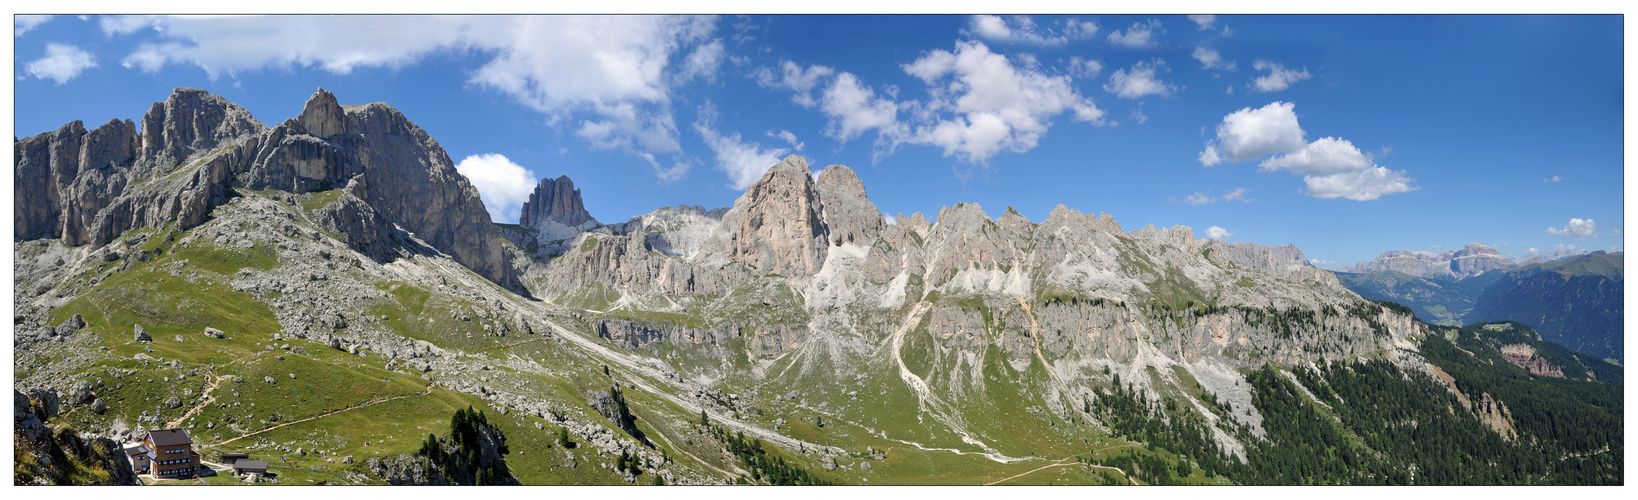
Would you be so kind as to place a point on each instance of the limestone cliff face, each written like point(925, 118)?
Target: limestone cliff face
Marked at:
point(1287, 260)
point(556, 200)
point(89, 187)
point(849, 214)
point(1471, 260)
point(778, 226)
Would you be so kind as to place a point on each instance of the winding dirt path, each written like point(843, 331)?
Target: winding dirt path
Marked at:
point(215, 381)
point(328, 413)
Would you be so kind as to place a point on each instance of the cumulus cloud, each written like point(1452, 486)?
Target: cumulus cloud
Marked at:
point(982, 104)
point(1203, 20)
point(1577, 228)
point(1217, 233)
point(1141, 35)
point(794, 78)
point(979, 103)
point(1325, 156)
point(610, 78)
point(1318, 262)
point(1210, 59)
point(891, 219)
point(1278, 78)
point(1552, 179)
point(502, 185)
point(743, 161)
point(1331, 167)
point(1084, 68)
point(61, 63)
point(1022, 29)
point(22, 23)
point(1140, 80)
point(1250, 134)
point(1363, 185)
point(854, 109)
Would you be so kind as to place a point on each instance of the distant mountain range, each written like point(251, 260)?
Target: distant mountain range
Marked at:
point(1574, 301)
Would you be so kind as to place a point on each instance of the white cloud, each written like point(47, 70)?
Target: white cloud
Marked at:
point(1552, 179)
point(502, 185)
point(1204, 20)
point(795, 79)
point(743, 161)
point(1278, 78)
point(703, 62)
point(854, 109)
point(1022, 29)
point(1217, 233)
point(1249, 134)
point(1140, 35)
point(1363, 185)
point(612, 77)
point(1202, 198)
point(1137, 114)
point(787, 136)
point(891, 219)
point(61, 63)
point(1140, 81)
point(1210, 59)
point(1084, 68)
point(22, 23)
point(996, 106)
point(1577, 228)
point(1318, 262)
point(1435, 247)
point(1331, 167)
point(1325, 156)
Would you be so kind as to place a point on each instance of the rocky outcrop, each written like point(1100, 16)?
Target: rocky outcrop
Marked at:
point(1283, 260)
point(52, 455)
point(556, 200)
point(189, 122)
point(1524, 356)
point(778, 226)
point(849, 214)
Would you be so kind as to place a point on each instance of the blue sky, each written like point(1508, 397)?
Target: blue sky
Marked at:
point(1346, 135)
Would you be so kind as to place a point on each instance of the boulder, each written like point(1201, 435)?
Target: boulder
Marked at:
point(214, 333)
point(71, 325)
point(142, 334)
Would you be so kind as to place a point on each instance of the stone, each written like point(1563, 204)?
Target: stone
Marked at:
point(142, 334)
point(214, 333)
point(556, 200)
point(71, 325)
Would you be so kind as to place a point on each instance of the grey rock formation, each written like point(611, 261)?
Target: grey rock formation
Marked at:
point(70, 325)
point(1283, 260)
point(777, 227)
point(556, 200)
point(142, 334)
point(849, 214)
point(1471, 260)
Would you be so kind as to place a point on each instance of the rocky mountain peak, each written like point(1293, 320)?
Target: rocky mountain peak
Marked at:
point(192, 121)
point(851, 216)
point(556, 200)
point(323, 116)
point(777, 226)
